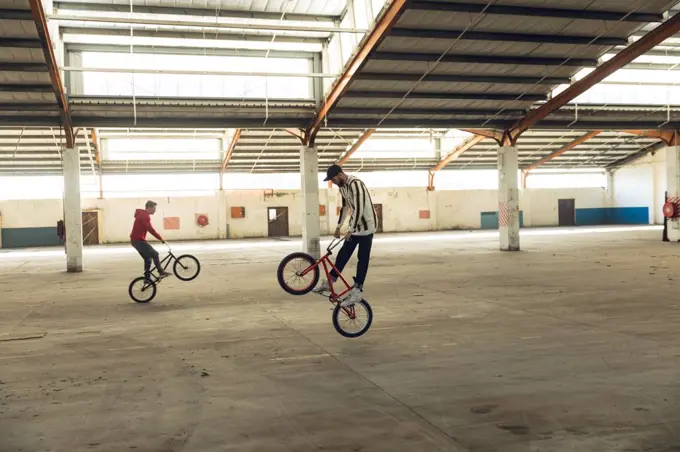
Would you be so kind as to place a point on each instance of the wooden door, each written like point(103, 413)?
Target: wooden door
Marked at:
point(90, 228)
point(278, 221)
point(566, 212)
point(378, 213)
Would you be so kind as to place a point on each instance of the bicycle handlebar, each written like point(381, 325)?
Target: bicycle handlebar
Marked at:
point(334, 244)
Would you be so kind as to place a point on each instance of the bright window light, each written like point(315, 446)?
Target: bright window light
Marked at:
point(201, 86)
point(150, 185)
point(161, 149)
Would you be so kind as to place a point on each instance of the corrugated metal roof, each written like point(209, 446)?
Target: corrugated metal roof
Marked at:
point(25, 85)
point(476, 48)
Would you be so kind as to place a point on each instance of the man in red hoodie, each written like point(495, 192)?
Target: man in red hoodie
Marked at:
point(141, 226)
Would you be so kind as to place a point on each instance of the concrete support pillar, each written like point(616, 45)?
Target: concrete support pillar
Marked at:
point(73, 216)
point(309, 171)
point(508, 198)
point(611, 197)
point(673, 186)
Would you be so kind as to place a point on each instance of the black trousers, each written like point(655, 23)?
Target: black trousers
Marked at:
point(365, 242)
point(148, 253)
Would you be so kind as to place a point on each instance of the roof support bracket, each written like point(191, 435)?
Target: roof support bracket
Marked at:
point(228, 154)
point(669, 137)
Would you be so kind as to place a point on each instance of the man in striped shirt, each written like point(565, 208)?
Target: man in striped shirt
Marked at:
point(362, 226)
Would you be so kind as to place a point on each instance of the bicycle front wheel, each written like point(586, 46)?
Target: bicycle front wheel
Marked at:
point(186, 267)
point(142, 290)
point(290, 275)
point(353, 321)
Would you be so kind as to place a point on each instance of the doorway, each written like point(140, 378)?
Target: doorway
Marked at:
point(90, 228)
point(278, 221)
point(566, 212)
point(379, 214)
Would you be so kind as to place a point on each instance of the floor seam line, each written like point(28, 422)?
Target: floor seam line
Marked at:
point(377, 386)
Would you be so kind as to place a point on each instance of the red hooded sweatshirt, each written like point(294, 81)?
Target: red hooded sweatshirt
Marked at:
point(142, 226)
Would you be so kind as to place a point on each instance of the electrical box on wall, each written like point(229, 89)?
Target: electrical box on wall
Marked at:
point(322, 210)
point(424, 214)
point(238, 212)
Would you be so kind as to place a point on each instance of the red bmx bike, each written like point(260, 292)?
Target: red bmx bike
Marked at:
point(298, 274)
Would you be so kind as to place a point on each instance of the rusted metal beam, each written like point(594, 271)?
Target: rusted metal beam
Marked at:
point(669, 137)
point(43, 33)
point(98, 159)
point(355, 147)
point(463, 147)
point(493, 134)
point(230, 151)
point(384, 23)
point(621, 59)
point(298, 133)
point(562, 150)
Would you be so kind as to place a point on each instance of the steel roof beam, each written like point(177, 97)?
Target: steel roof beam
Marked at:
point(577, 142)
point(183, 11)
point(370, 42)
point(506, 10)
point(621, 59)
point(355, 147)
point(185, 34)
point(669, 137)
point(26, 88)
point(242, 26)
point(465, 35)
point(183, 122)
point(484, 59)
point(173, 50)
point(446, 96)
point(23, 106)
point(423, 111)
point(467, 78)
point(15, 14)
point(43, 33)
point(21, 43)
point(23, 67)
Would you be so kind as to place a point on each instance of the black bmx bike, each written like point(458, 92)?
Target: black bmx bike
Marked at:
point(185, 267)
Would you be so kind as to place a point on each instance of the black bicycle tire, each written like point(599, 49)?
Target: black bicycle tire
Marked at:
point(336, 324)
point(153, 289)
point(282, 266)
point(186, 256)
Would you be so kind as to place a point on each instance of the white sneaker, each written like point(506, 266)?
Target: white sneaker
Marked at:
point(323, 287)
point(354, 296)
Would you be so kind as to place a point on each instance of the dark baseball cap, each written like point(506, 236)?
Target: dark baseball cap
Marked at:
point(332, 171)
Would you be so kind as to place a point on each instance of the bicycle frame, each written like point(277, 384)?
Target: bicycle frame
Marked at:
point(328, 266)
point(165, 262)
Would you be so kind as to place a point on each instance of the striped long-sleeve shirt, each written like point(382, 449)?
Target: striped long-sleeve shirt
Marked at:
point(355, 197)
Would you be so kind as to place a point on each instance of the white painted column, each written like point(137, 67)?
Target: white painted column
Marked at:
point(508, 198)
point(673, 187)
point(611, 197)
point(73, 216)
point(309, 172)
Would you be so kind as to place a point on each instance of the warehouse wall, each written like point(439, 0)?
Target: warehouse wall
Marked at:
point(642, 184)
point(29, 222)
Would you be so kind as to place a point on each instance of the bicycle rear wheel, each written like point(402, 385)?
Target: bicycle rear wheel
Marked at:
point(142, 290)
point(353, 321)
point(186, 267)
point(289, 274)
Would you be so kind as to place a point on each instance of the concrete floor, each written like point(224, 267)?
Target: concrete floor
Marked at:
point(570, 345)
